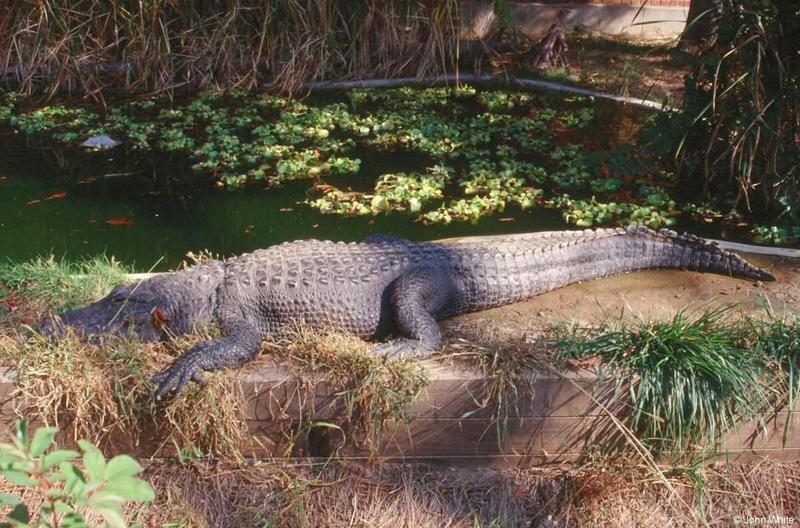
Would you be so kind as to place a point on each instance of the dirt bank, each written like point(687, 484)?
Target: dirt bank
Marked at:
point(656, 294)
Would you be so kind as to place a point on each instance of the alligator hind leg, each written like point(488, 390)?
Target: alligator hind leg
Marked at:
point(241, 343)
point(415, 299)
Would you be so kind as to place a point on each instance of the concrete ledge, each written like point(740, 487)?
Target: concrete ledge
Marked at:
point(646, 21)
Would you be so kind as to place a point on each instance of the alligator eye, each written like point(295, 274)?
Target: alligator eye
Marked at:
point(157, 318)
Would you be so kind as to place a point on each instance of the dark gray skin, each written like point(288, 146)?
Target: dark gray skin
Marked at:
point(382, 286)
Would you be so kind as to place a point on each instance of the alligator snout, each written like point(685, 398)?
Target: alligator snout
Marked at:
point(55, 326)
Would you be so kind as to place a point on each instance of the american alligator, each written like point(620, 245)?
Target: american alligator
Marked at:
point(375, 288)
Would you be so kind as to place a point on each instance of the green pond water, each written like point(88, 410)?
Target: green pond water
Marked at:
point(148, 209)
point(170, 217)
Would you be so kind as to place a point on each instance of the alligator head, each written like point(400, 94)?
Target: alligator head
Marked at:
point(170, 302)
point(127, 309)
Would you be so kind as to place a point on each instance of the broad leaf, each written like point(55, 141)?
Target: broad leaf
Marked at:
point(73, 520)
point(113, 518)
point(57, 457)
point(74, 480)
point(18, 477)
point(94, 461)
point(122, 466)
point(42, 439)
point(105, 499)
point(8, 499)
point(130, 488)
point(20, 514)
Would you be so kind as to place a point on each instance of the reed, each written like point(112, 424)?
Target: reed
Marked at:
point(95, 49)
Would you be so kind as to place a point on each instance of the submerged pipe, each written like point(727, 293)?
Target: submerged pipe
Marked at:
point(456, 78)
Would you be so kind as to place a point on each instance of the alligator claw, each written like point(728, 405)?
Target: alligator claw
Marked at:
point(198, 378)
point(177, 376)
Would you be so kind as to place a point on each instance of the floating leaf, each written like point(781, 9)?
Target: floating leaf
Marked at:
point(120, 221)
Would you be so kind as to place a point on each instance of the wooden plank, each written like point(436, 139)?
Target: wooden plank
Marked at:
point(557, 436)
point(555, 419)
point(451, 393)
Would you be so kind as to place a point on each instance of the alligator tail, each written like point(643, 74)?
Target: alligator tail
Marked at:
point(668, 249)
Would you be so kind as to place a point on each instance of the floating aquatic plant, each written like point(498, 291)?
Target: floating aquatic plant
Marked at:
point(472, 153)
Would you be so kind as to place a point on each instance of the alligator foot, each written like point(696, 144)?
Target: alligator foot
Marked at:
point(239, 346)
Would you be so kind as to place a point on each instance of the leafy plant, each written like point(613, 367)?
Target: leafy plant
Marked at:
point(779, 339)
point(742, 111)
point(778, 235)
point(98, 486)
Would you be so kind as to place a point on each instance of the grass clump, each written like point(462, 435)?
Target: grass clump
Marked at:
point(372, 392)
point(510, 369)
point(687, 380)
point(59, 284)
point(102, 392)
point(778, 340)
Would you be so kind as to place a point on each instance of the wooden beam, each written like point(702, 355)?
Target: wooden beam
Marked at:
point(552, 419)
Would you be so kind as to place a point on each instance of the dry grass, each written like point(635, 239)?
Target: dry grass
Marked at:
point(102, 393)
point(511, 367)
point(95, 48)
point(341, 494)
point(391, 495)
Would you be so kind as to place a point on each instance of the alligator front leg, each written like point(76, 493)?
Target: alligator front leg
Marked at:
point(416, 298)
point(241, 344)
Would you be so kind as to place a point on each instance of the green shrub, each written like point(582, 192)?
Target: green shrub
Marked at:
point(101, 487)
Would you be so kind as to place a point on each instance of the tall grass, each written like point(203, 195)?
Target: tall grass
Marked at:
point(779, 341)
point(95, 48)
